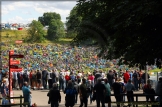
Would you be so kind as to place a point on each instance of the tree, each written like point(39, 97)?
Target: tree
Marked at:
point(73, 21)
point(56, 30)
point(129, 30)
point(36, 32)
point(47, 17)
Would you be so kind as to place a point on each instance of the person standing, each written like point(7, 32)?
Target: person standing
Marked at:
point(144, 75)
point(61, 81)
point(147, 89)
point(25, 76)
point(83, 93)
point(33, 79)
point(108, 93)
point(38, 75)
point(54, 96)
point(135, 79)
point(129, 87)
point(110, 77)
point(89, 90)
point(20, 79)
point(70, 92)
point(100, 90)
point(49, 77)
point(116, 86)
point(27, 94)
point(76, 86)
point(126, 76)
point(44, 78)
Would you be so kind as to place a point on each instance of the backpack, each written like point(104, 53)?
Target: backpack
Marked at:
point(70, 91)
point(61, 77)
point(135, 75)
point(53, 75)
point(25, 75)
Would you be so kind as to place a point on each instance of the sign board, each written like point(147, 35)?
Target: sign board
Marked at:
point(14, 62)
point(11, 52)
point(14, 66)
point(18, 41)
point(18, 70)
point(16, 56)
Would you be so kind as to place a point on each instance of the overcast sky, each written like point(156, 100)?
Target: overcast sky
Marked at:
point(26, 11)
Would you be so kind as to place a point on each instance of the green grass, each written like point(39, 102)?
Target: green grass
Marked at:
point(10, 36)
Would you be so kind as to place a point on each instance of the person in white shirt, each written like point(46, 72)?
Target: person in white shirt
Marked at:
point(49, 77)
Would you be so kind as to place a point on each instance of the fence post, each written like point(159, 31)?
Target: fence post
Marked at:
point(136, 100)
point(20, 100)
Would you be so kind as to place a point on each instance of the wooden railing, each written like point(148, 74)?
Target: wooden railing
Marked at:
point(15, 104)
point(136, 101)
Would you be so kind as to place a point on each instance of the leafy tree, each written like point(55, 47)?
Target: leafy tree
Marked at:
point(47, 17)
point(56, 30)
point(125, 29)
point(36, 32)
point(73, 21)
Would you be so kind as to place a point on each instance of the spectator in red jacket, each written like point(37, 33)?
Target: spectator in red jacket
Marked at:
point(126, 77)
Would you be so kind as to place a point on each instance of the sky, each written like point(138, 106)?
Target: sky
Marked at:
point(26, 11)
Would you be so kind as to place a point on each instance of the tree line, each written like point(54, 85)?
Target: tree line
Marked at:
point(126, 30)
point(54, 32)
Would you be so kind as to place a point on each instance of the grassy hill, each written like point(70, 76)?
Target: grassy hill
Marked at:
point(10, 36)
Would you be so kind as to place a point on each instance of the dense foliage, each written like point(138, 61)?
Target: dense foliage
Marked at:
point(36, 32)
point(125, 29)
point(47, 17)
point(56, 30)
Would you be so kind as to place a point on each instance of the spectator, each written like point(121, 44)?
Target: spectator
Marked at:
point(111, 77)
point(14, 80)
point(44, 78)
point(100, 90)
point(83, 93)
point(27, 94)
point(25, 76)
point(129, 87)
point(61, 81)
point(116, 86)
point(38, 75)
point(89, 90)
point(149, 90)
point(70, 92)
point(135, 80)
point(20, 79)
point(97, 75)
point(76, 86)
point(126, 76)
point(49, 77)
point(54, 96)
point(122, 89)
point(33, 79)
point(144, 77)
point(4, 92)
point(108, 93)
